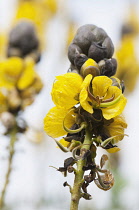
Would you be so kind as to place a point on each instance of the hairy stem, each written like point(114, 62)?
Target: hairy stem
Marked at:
point(78, 181)
point(9, 169)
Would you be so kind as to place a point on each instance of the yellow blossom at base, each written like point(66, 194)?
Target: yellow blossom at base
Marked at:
point(53, 122)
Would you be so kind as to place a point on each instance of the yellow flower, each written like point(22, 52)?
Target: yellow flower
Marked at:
point(128, 65)
point(116, 128)
point(10, 71)
point(116, 131)
point(28, 75)
point(103, 96)
point(70, 89)
point(19, 75)
point(16, 72)
point(53, 122)
point(66, 89)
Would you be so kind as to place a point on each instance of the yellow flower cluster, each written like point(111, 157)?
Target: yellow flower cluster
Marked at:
point(128, 64)
point(19, 83)
point(78, 100)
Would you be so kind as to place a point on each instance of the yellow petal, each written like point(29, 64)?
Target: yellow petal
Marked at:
point(27, 77)
point(51, 6)
point(113, 150)
point(66, 89)
point(53, 122)
point(89, 62)
point(114, 110)
point(100, 85)
point(84, 99)
point(116, 128)
point(113, 91)
point(64, 143)
point(10, 71)
point(3, 103)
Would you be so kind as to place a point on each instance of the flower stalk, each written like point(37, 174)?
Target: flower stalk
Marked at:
point(78, 181)
point(9, 169)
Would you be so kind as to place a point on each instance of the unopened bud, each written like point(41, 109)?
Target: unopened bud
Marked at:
point(8, 120)
point(70, 169)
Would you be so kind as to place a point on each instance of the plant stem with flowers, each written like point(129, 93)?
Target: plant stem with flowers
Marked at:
point(88, 112)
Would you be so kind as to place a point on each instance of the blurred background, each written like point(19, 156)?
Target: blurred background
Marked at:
point(33, 184)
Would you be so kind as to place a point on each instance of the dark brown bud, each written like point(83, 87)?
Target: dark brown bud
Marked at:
point(80, 60)
point(91, 41)
point(108, 67)
point(86, 196)
point(22, 39)
point(70, 169)
point(122, 86)
point(69, 161)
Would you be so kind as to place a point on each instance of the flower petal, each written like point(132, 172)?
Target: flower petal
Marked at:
point(84, 99)
point(28, 75)
point(66, 89)
point(100, 85)
point(10, 71)
point(113, 91)
point(117, 128)
point(53, 122)
point(64, 143)
point(113, 150)
point(114, 110)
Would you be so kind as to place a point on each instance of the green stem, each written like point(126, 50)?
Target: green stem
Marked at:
point(78, 181)
point(9, 169)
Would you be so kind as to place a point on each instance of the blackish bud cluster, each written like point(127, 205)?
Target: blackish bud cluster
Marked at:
point(23, 41)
